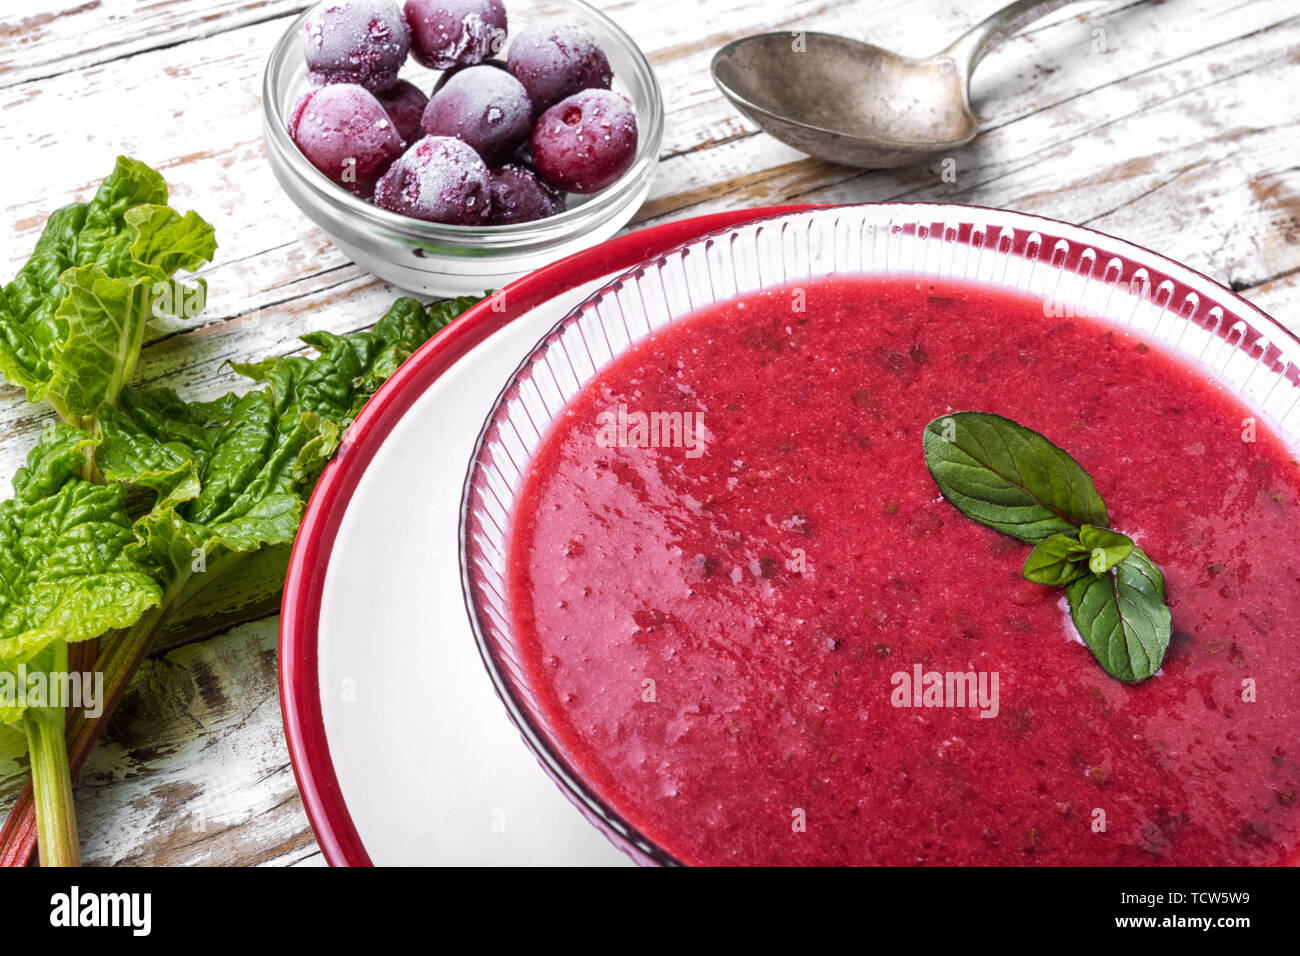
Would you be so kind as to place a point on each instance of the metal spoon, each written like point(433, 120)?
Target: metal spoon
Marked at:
point(856, 104)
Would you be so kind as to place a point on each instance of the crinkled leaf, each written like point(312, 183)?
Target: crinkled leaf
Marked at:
point(165, 242)
point(230, 478)
point(28, 330)
point(72, 320)
point(229, 475)
point(349, 369)
point(185, 549)
point(101, 236)
point(75, 235)
point(245, 590)
point(104, 320)
point(1009, 477)
point(1122, 617)
point(403, 330)
point(65, 571)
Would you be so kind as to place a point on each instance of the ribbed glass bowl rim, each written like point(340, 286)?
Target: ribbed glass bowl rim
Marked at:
point(917, 214)
point(568, 223)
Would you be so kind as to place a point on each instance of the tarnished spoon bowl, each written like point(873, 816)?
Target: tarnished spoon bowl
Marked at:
point(854, 103)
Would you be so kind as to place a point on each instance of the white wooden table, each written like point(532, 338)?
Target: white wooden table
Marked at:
point(1173, 125)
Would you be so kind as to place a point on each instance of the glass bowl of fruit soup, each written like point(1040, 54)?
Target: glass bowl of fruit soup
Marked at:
point(725, 599)
point(544, 138)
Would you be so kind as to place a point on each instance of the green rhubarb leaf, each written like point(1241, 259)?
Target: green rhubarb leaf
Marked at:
point(72, 321)
point(100, 236)
point(158, 441)
point(349, 369)
point(1009, 477)
point(75, 235)
point(65, 571)
point(1122, 617)
point(229, 479)
point(229, 476)
point(247, 589)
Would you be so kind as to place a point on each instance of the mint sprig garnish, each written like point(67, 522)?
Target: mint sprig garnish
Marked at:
point(1057, 561)
point(1064, 558)
point(1013, 480)
point(1009, 477)
point(1122, 616)
point(1105, 548)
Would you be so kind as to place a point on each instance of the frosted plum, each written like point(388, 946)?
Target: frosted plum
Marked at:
point(344, 132)
point(446, 33)
point(405, 104)
point(445, 77)
point(356, 41)
point(518, 195)
point(555, 59)
point(439, 179)
point(585, 142)
point(484, 107)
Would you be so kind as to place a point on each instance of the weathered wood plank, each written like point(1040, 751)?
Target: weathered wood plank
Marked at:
point(49, 38)
point(193, 766)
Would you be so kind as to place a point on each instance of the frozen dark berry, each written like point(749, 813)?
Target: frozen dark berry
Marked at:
point(557, 59)
point(519, 196)
point(448, 33)
point(484, 107)
point(445, 76)
point(439, 179)
point(405, 104)
point(356, 41)
point(345, 133)
point(585, 142)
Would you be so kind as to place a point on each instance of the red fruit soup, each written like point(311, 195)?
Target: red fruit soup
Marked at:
point(728, 565)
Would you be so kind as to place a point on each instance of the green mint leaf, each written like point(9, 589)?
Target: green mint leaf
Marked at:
point(1014, 480)
point(1009, 477)
point(1105, 548)
point(65, 571)
point(1122, 617)
point(1056, 562)
point(72, 321)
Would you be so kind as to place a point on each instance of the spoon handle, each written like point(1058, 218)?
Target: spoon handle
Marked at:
point(971, 46)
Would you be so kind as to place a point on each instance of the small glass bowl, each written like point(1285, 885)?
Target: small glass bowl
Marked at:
point(446, 260)
point(1074, 270)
